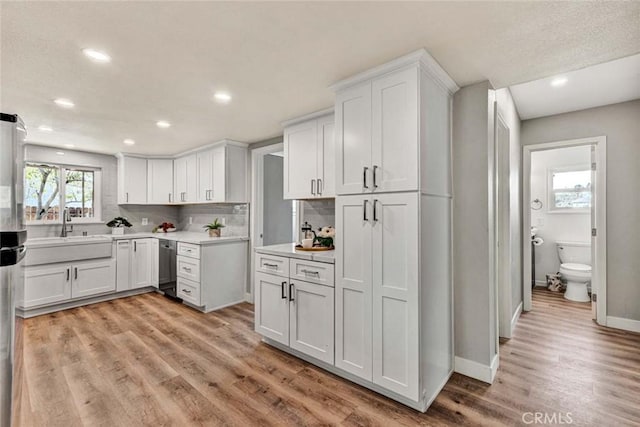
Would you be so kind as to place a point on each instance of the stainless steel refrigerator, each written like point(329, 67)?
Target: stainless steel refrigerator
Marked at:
point(13, 235)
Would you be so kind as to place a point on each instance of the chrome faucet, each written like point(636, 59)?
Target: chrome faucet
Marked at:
point(65, 218)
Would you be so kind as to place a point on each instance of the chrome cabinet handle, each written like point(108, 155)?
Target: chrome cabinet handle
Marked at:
point(364, 177)
point(127, 194)
point(186, 291)
point(169, 197)
point(135, 246)
point(282, 290)
point(313, 184)
point(320, 187)
point(375, 211)
point(76, 273)
point(305, 271)
point(187, 269)
point(68, 273)
point(291, 292)
point(364, 211)
point(375, 168)
point(270, 265)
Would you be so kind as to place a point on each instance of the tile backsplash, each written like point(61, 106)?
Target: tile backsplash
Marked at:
point(235, 217)
point(319, 213)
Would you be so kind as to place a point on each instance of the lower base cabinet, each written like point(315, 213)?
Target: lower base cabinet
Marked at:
point(55, 283)
point(296, 313)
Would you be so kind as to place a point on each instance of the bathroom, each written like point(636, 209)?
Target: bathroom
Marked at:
point(560, 207)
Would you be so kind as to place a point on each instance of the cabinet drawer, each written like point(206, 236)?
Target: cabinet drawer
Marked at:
point(189, 291)
point(187, 249)
point(272, 264)
point(188, 268)
point(312, 271)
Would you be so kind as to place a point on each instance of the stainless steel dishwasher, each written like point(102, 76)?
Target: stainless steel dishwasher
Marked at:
point(167, 274)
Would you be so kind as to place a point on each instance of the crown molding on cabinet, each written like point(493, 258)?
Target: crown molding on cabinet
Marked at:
point(421, 56)
point(307, 117)
point(225, 142)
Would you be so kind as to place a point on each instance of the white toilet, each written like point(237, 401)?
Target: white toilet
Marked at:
point(575, 267)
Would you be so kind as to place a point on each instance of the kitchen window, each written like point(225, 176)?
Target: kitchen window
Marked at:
point(570, 189)
point(49, 189)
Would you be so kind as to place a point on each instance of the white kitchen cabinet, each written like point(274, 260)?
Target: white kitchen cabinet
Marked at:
point(309, 163)
point(185, 179)
point(222, 174)
point(46, 284)
point(311, 319)
point(205, 175)
point(132, 180)
point(144, 263)
point(93, 278)
point(160, 181)
point(123, 264)
point(272, 307)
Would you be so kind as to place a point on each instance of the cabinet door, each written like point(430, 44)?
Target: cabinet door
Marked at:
point(272, 307)
point(192, 179)
point(180, 179)
point(154, 259)
point(353, 285)
point(186, 179)
point(123, 265)
point(205, 176)
point(93, 278)
point(396, 276)
point(395, 132)
point(132, 175)
point(160, 181)
point(46, 284)
point(311, 320)
point(141, 274)
point(219, 175)
point(353, 140)
point(300, 164)
point(326, 157)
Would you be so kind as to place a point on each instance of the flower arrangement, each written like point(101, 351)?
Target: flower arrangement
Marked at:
point(325, 236)
point(214, 228)
point(118, 224)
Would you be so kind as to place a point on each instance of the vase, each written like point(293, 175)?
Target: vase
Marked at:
point(118, 231)
point(214, 232)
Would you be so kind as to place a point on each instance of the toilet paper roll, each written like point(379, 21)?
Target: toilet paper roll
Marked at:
point(537, 241)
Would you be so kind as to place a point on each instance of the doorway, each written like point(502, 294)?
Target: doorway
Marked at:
point(564, 209)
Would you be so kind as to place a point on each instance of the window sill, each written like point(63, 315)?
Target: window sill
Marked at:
point(570, 212)
point(39, 223)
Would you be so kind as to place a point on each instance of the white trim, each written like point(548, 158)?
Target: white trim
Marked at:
point(248, 298)
point(598, 244)
point(420, 56)
point(516, 316)
point(222, 142)
point(478, 371)
point(624, 324)
point(307, 117)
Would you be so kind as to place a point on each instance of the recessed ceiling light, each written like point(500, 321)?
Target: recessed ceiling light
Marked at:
point(163, 124)
point(45, 128)
point(96, 55)
point(559, 81)
point(69, 145)
point(64, 103)
point(60, 153)
point(129, 141)
point(222, 97)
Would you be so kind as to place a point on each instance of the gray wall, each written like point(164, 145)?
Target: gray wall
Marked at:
point(277, 215)
point(620, 123)
point(474, 305)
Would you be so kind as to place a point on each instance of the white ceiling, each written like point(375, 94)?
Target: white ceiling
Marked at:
point(276, 59)
point(602, 84)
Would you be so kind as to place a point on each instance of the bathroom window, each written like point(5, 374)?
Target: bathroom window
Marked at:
point(49, 189)
point(570, 189)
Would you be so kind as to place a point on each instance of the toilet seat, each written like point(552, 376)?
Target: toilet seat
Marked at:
point(571, 266)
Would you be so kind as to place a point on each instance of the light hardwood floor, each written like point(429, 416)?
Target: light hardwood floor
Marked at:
point(145, 360)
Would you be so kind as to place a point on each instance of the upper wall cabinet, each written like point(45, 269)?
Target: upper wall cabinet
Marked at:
point(160, 181)
point(132, 180)
point(222, 174)
point(185, 176)
point(309, 157)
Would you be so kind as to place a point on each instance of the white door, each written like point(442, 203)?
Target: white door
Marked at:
point(395, 132)
point(205, 176)
point(123, 265)
point(134, 181)
point(396, 277)
point(353, 285)
point(353, 140)
point(326, 157)
point(272, 307)
point(46, 284)
point(93, 277)
point(219, 175)
point(160, 181)
point(141, 274)
point(311, 320)
point(300, 152)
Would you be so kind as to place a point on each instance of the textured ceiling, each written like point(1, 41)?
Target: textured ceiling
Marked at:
point(276, 59)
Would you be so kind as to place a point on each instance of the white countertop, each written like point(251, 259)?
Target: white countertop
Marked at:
point(178, 236)
point(289, 250)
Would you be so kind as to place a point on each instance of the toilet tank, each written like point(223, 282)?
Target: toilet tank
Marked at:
point(575, 252)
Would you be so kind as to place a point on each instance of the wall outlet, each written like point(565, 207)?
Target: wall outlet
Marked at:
point(145, 221)
point(190, 220)
point(224, 221)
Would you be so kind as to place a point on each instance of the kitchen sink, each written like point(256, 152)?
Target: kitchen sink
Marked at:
point(49, 250)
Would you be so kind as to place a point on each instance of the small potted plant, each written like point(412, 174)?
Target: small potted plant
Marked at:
point(214, 228)
point(118, 224)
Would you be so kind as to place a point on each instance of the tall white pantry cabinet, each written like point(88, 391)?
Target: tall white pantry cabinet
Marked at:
point(393, 285)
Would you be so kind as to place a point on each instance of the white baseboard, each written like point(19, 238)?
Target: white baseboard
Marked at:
point(541, 283)
point(622, 323)
point(478, 371)
point(248, 298)
point(515, 317)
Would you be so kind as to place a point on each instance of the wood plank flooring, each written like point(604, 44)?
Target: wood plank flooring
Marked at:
point(145, 360)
